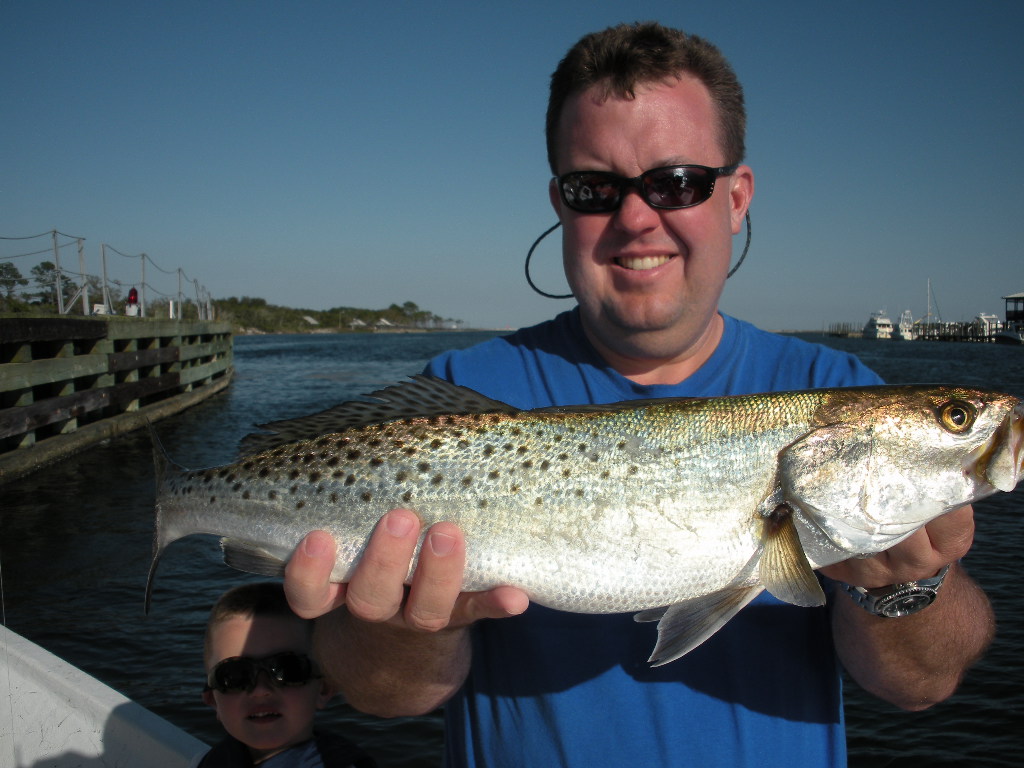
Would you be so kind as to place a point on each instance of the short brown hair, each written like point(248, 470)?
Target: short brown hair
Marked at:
point(263, 598)
point(628, 55)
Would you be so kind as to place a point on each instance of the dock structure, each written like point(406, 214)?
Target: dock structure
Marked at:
point(67, 383)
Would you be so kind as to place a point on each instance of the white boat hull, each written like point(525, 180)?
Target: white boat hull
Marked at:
point(62, 716)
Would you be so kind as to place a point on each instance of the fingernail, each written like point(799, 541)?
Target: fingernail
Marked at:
point(398, 525)
point(314, 546)
point(441, 544)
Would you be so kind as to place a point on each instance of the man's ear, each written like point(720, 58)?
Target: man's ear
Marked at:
point(208, 699)
point(741, 192)
point(555, 198)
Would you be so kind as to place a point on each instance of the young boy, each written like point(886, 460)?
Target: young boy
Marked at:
point(266, 688)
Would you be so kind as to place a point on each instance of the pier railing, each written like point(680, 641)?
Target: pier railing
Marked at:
point(66, 383)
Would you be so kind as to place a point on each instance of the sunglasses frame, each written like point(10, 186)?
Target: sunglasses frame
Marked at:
point(624, 183)
point(263, 664)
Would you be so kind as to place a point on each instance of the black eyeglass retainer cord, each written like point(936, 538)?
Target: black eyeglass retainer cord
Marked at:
point(549, 230)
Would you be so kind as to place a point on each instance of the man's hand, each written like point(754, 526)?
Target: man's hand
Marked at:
point(944, 540)
point(378, 592)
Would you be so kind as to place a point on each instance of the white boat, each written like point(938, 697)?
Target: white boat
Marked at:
point(878, 326)
point(54, 714)
point(905, 327)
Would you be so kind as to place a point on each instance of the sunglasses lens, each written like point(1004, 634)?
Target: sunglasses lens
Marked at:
point(289, 669)
point(233, 675)
point(678, 186)
point(591, 192)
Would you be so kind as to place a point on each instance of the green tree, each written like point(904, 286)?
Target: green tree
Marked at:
point(10, 279)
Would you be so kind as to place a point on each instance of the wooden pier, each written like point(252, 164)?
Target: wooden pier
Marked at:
point(67, 383)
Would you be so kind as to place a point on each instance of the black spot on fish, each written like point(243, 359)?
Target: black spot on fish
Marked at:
point(407, 497)
point(522, 449)
point(314, 477)
point(300, 505)
point(411, 450)
point(367, 496)
point(333, 461)
point(545, 464)
point(527, 464)
point(293, 489)
point(566, 472)
point(467, 480)
point(353, 455)
point(482, 504)
point(632, 469)
point(350, 480)
point(579, 492)
point(334, 498)
point(294, 474)
point(435, 443)
point(272, 495)
point(236, 487)
point(605, 474)
point(538, 502)
point(488, 450)
point(423, 467)
point(264, 471)
point(248, 466)
point(246, 495)
point(463, 444)
point(437, 479)
point(494, 475)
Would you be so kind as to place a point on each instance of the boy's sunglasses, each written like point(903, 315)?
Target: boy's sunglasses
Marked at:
point(240, 673)
point(673, 186)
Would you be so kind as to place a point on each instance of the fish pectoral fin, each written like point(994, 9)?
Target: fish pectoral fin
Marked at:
point(251, 558)
point(783, 568)
point(683, 626)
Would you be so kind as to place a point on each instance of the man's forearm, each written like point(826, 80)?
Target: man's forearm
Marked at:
point(918, 660)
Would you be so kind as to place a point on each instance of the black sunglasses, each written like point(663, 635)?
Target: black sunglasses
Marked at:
point(240, 673)
point(673, 186)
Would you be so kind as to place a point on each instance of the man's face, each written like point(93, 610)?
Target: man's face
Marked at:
point(269, 717)
point(648, 281)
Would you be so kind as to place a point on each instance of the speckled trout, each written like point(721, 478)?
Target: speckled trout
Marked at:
point(678, 510)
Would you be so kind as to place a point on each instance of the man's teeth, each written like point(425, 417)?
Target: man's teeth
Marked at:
point(642, 263)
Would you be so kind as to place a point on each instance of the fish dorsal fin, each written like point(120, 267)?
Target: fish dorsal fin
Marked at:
point(420, 397)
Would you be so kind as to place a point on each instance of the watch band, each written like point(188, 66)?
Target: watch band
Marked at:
point(897, 600)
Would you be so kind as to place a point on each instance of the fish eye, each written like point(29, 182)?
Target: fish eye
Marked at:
point(957, 416)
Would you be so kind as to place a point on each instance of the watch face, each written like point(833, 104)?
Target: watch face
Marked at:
point(906, 603)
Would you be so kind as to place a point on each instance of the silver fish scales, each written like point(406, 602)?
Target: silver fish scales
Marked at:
point(680, 510)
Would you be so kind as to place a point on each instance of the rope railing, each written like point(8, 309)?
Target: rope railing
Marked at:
point(68, 286)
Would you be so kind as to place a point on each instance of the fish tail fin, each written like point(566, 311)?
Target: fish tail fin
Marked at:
point(164, 467)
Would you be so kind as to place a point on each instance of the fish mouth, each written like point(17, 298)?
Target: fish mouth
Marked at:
point(642, 263)
point(999, 461)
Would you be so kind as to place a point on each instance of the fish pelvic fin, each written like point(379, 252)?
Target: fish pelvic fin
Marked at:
point(685, 625)
point(784, 569)
point(423, 396)
point(251, 558)
point(163, 466)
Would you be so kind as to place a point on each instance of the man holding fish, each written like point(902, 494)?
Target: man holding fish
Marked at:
point(645, 138)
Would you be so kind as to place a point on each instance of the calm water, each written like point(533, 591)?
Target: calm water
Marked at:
point(75, 545)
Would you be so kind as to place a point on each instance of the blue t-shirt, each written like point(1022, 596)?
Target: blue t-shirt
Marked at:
point(553, 688)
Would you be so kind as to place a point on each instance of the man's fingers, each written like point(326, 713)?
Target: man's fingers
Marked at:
point(438, 580)
point(377, 588)
point(306, 577)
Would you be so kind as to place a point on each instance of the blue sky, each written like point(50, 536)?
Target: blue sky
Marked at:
point(322, 154)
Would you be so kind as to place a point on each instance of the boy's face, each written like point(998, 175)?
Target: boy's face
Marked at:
point(268, 718)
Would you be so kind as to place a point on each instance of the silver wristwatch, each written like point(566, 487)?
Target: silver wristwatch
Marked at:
point(897, 599)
